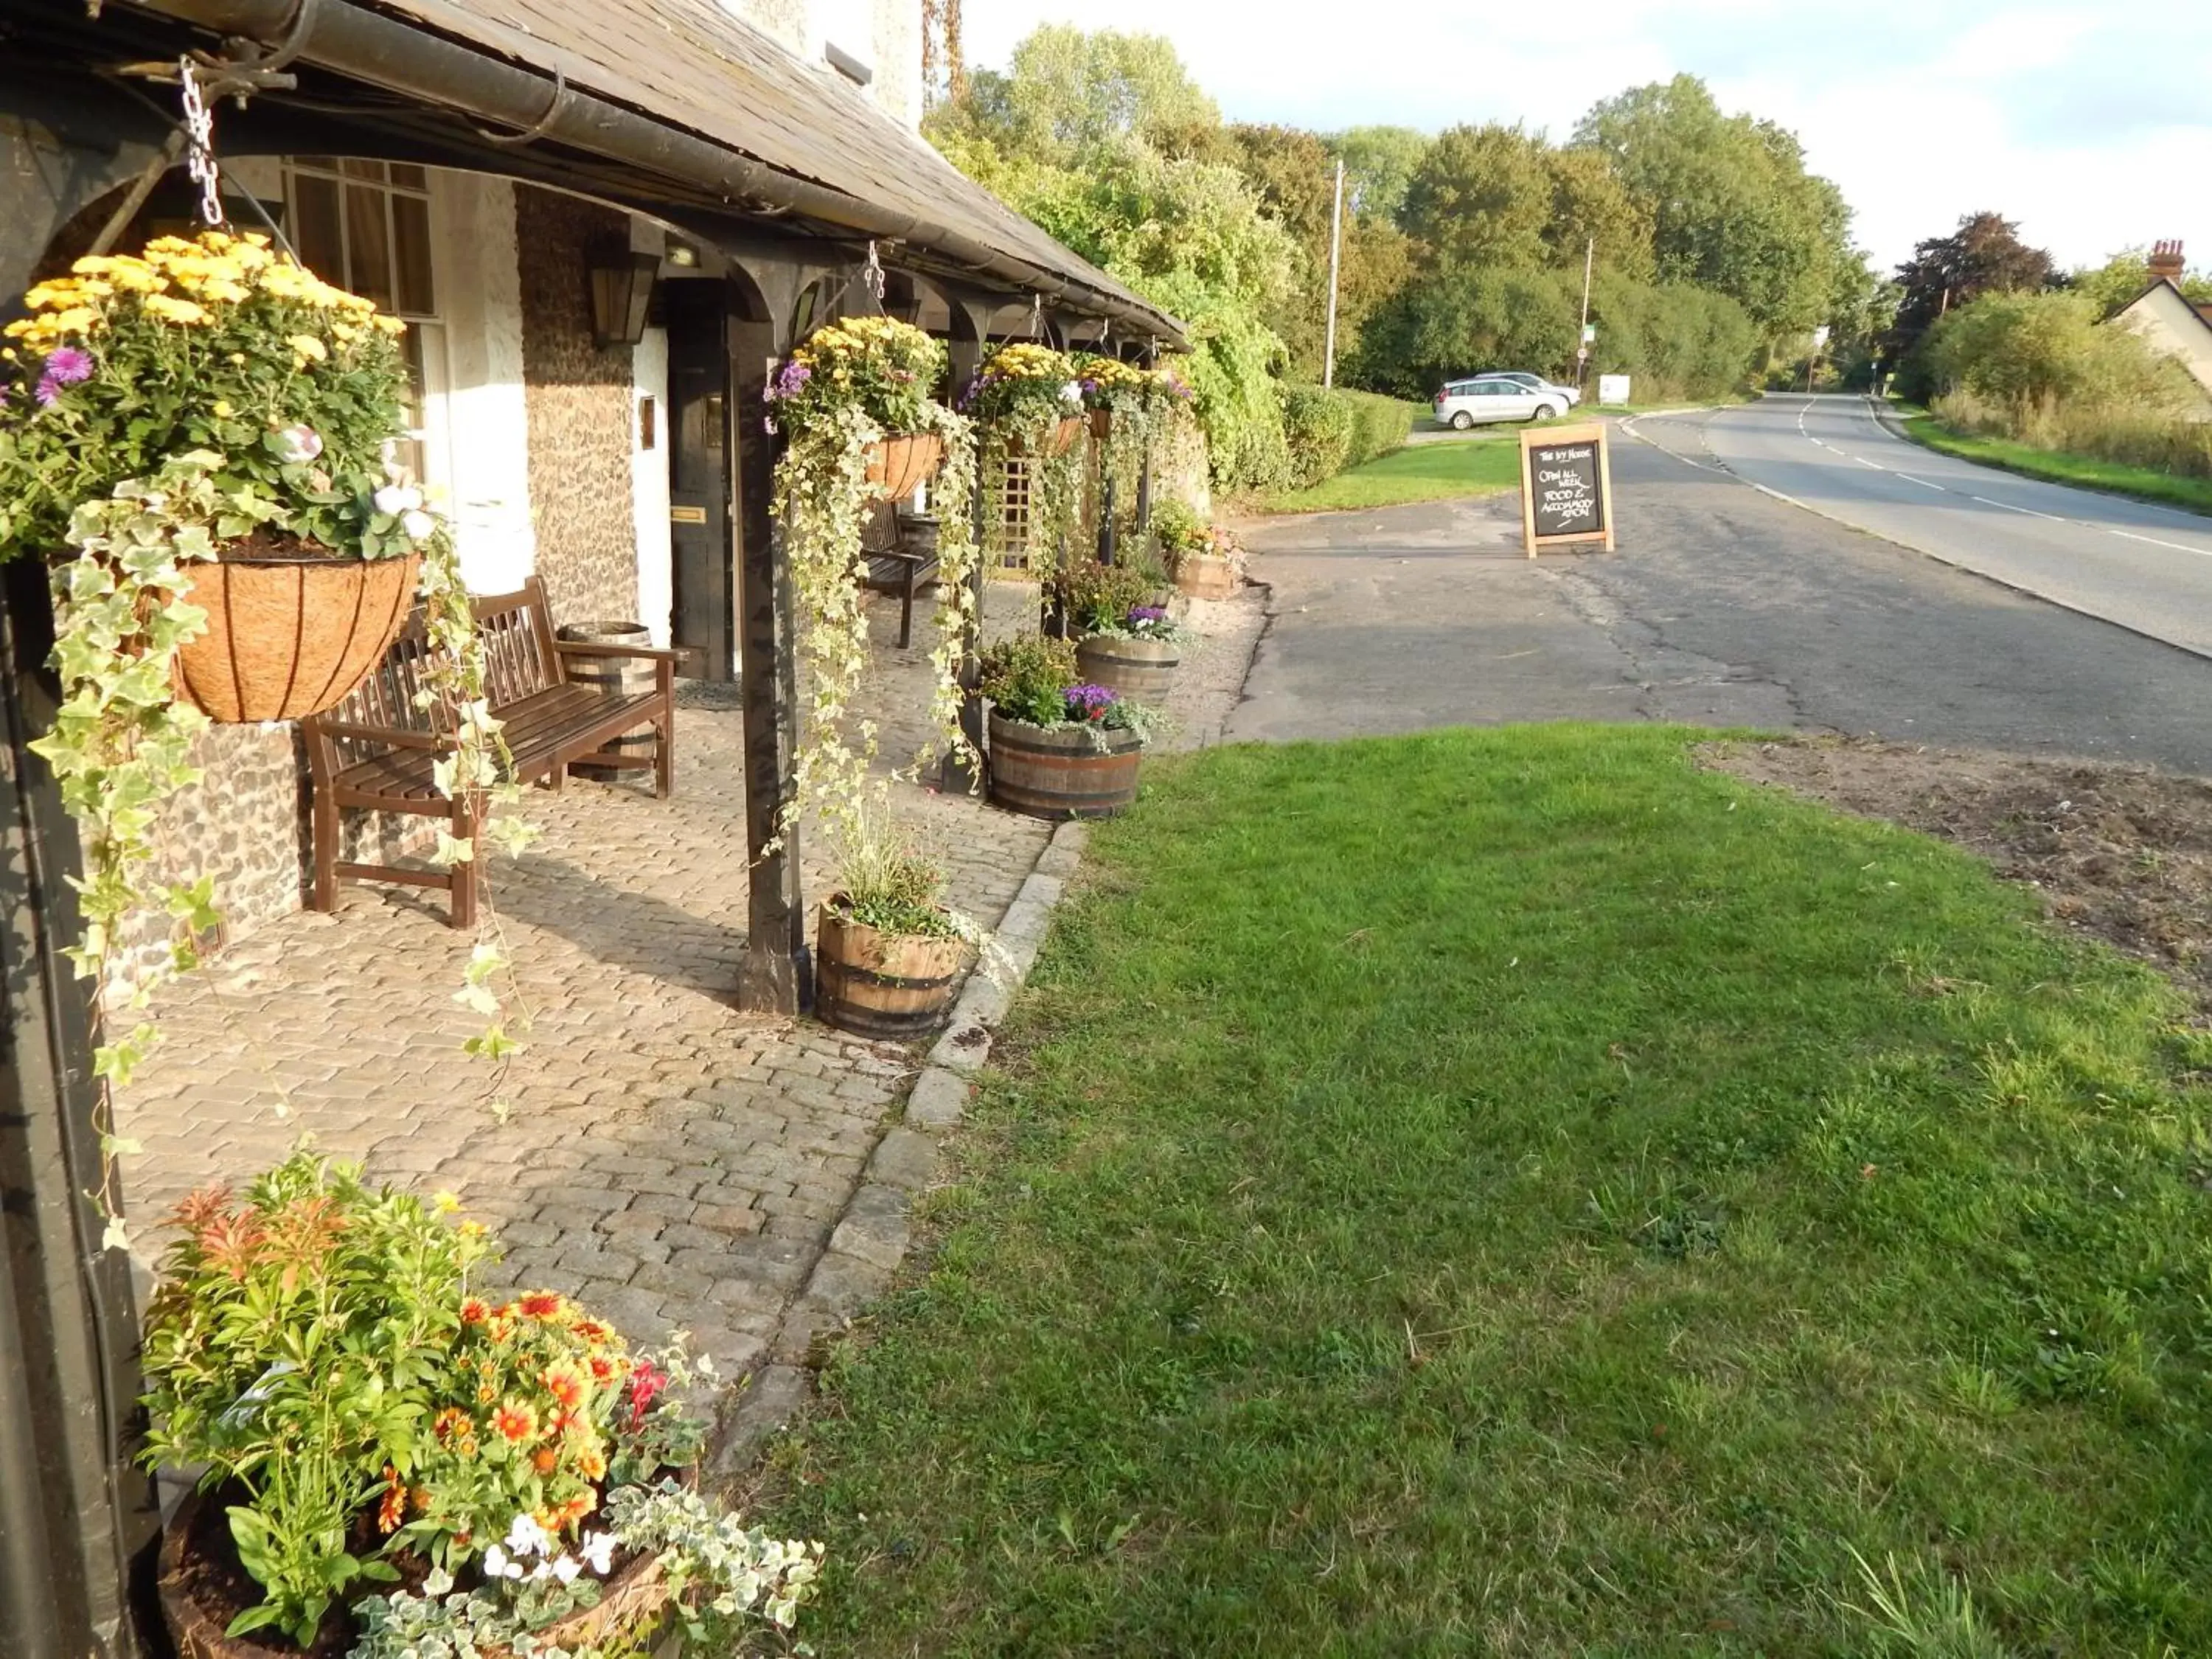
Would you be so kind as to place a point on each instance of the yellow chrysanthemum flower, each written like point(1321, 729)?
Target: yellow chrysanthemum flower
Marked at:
point(308, 348)
point(170, 308)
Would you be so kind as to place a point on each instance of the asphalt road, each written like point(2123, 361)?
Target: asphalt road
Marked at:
point(2144, 566)
point(1724, 607)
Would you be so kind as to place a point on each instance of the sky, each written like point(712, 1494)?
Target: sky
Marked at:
point(2089, 126)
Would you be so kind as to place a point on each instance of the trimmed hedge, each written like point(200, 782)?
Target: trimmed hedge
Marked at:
point(1331, 432)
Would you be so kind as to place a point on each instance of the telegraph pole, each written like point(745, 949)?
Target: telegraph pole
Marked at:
point(1335, 261)
point(1582, 332)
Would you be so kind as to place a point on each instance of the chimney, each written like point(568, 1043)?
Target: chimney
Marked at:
point(2165, 261)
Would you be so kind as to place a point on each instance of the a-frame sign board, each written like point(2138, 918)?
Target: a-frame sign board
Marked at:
point(1566, 488)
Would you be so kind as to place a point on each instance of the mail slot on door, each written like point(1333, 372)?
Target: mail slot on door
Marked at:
point(687, 515)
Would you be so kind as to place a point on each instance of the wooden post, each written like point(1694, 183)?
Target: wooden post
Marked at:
point(775, 976)
point(965, 352)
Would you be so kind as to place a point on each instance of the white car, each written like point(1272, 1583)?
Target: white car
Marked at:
point(1488, 398)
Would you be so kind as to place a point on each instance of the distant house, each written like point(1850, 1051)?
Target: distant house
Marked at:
point(2172, 326)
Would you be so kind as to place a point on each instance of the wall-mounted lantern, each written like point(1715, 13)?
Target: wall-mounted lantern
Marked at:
point(622, 295)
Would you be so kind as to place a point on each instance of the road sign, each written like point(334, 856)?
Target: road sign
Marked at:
point(1613, 388)
point(1589, 333)
point(1566, 488)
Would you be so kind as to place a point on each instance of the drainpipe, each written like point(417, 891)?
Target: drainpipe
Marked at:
point(401, 58)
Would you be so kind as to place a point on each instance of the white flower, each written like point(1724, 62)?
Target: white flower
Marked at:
point(526, 1537)
point(1071, 392)
point(497, 1565)
point(299, 443)
point(397, 499)
point(541, 1573)
point(418, 525)
point(566, 1568)
point(599, 1549)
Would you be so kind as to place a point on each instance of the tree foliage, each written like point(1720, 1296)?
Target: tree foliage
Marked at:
point(1066, 90)
point(2122, 278)
point(1732, 207)
point(2029, 349)
point(1985, 255)
point(1379, 162)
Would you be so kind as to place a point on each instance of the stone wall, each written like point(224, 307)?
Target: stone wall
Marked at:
point(579, 398)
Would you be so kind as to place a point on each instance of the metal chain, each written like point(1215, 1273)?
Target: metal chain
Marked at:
point(199, 125)
point(871, 276)
point(1037, 316)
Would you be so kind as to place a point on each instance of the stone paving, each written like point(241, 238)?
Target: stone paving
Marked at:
point(674, 1162)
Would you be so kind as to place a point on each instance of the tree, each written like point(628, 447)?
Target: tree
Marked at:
point(2030, 351)
point(1066, 90)
point(1482, 197)
point(2123, 278)
point(1731, 205)
point(1455, 320)
point(1379, 162)
point(1985, 255)
point(1590, 205)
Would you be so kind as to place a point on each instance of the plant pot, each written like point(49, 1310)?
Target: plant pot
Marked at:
point(1142, 670)
point(1059, 441)
point(627, 677)
point(875, 984)
point(903, 463)
point(1062, 773)
point(288, 637)
point(1102, 424)
point(1206, 576)
point(631, 1600)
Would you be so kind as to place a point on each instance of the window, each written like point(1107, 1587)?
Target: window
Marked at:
point(365, 226)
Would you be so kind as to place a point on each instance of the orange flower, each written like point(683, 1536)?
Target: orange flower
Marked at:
point(514, 1423)
point(603, 1369)
point(546, 1459)
point(393, 1510)
point(566, 1387)
point(486, 1393)
point(455, 1428)
point(573, 1510)
point(592, 1331)
point(591, 1463)
point(421, 1498)
point(542, 1305)
point(475, 1310)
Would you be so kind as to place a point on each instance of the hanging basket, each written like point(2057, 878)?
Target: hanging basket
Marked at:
point(1062, 438)
point(903, 463)
point(290, 635)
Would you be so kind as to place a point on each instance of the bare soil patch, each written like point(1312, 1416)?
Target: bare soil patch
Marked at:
point(2120, 852)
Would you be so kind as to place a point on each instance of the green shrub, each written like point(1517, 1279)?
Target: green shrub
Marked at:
point(1330, 432)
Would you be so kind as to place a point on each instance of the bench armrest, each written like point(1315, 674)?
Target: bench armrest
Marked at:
point(648, 652)
point(399, 736)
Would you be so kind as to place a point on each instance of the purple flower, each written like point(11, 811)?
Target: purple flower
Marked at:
point(1140, 614)
point(1089, 703)
point(68, 365)
point(790, 381)
point(1090, 387)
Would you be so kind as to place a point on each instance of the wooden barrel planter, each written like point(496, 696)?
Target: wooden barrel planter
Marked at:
point(290, 635)
point(626, 677)
point(1062, 773)
point(875, 984)
point(197, 1613)
point(1142, 670)
point(1206, 576)
point(903, 463)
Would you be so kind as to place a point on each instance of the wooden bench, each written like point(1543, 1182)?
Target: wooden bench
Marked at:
point(898, 561)
point(374, 751)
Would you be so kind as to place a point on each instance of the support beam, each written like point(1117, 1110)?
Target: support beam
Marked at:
point(776, 977)
point(971, 322)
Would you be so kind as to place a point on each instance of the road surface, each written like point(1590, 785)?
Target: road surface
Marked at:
point(2144, 566)
point(1724, 607)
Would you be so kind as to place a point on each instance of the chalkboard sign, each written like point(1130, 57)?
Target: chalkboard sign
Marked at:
point(1566, 488)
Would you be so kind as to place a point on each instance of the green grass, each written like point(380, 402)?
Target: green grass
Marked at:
point(1420, 472)
point(2142, 483)
point(1511, 1193)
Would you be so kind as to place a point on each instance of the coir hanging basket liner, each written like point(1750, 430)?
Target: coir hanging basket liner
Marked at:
point(288, 637)
point(905, 463)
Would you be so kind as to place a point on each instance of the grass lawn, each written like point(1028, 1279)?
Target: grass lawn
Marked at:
point(1419, 472)
point(2167, 488)
point(1511, 1194)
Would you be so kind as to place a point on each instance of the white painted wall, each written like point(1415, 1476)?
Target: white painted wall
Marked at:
point(648, 488)
point(486, 419)
point(2172, 326)
point(884, 34)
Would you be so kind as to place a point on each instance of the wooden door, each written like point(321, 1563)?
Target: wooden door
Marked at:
point(703, 620)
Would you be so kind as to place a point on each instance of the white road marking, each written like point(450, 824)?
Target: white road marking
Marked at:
point(2179, 547)
point(1924, 485)
point(2009, 507)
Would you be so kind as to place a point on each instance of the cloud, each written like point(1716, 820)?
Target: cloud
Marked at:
point(2091, 135)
